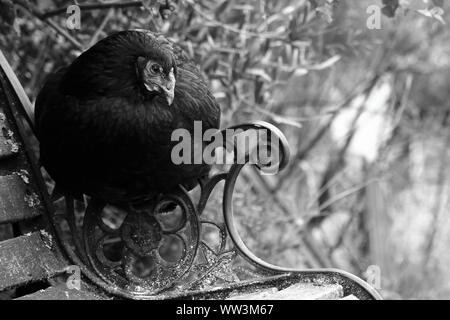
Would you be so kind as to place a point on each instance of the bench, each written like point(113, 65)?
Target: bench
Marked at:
point(84, 250)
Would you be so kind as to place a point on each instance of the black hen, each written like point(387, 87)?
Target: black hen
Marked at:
point(105, 122)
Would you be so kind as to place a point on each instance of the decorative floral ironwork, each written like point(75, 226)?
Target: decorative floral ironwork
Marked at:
point(148, 253)
point(152, 248)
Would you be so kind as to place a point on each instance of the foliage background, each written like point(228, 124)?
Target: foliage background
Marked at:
point(365, 112)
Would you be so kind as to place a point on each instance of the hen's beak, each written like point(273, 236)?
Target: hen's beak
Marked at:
point(169, 87)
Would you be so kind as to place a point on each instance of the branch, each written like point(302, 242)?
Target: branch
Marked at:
point(29, 7)
point(65, 34)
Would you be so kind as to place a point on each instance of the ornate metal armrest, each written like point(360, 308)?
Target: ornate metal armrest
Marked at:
point(156, 255)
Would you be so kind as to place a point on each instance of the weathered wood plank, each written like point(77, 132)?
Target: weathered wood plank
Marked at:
point(27, 259)
point(16, 201)
point(299, 291)
point(61, 292)
point(8, 145)
point(258, 295)
point(309, 291)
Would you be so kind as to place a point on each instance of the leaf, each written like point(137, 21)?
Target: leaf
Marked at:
point(435, 13)
point(414, 4)
point(243, 7)
point(259, 73)
point(298, 72)
point(326, 64)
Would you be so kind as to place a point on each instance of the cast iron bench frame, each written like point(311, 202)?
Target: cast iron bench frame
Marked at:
point(41, 251)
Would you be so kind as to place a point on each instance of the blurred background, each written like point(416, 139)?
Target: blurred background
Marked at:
point(361, 89)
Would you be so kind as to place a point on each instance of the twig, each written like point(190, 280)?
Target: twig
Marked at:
point(101, 27)
point(214, 23)
point(439, 202)
point(347, 193)
point(323, 189)
point(29, 7)
point(65, 34)
point(35, 12)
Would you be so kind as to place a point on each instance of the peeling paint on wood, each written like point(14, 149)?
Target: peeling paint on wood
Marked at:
point(8, 145)
point(17, 202)
point(27, 259)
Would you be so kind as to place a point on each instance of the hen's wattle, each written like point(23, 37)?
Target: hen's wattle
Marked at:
point(104, 134)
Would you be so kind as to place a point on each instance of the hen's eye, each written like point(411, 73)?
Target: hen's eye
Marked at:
point(155, 68)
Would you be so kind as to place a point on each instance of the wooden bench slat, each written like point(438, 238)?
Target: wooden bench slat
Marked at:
point(61, 292)
point(257, 295)
point(308, 291)
point(27, 259)
point(299, 291)
point(16, 202)
point(8, 144)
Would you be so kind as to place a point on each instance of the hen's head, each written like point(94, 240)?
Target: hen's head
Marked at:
point(157, 78)
point(123, 63)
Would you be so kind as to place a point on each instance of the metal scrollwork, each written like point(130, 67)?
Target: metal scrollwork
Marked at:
point(151, 254)
point(156, 247)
